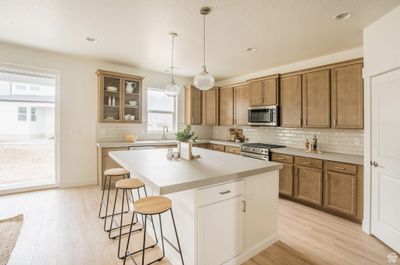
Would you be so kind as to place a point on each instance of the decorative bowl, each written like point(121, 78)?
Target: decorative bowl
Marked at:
point(132, 102)
point(130, 138)
point(112, 89)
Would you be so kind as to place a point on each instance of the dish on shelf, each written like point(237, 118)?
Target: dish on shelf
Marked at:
point(133, 103)
point(109, 118)
point(111, 89)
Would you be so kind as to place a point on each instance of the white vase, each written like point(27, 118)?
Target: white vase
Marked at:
point(185, 150)
point(130, 86)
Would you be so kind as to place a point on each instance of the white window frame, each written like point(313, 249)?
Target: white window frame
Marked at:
point(175, 113)
point(20, 114)
point(34, 114)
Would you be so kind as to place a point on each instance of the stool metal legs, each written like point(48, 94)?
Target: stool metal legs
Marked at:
point(133, 222)
point(102, 203)
point(178, 249)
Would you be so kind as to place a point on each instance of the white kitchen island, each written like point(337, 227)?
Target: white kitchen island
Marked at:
point(225, 205)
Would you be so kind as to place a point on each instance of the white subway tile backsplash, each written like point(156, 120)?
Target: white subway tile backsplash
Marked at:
point(110, 132)
point(329, 140)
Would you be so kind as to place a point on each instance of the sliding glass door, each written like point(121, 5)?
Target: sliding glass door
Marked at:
point(27, 129)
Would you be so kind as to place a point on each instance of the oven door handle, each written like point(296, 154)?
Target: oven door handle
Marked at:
point(260, 157)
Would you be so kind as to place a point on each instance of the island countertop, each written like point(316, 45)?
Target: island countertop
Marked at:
point(168, 176)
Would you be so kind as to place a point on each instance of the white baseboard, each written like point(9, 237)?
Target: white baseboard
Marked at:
point(254, 250)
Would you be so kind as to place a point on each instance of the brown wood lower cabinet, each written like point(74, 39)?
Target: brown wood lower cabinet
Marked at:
point(286, 180)
point(341, 192)
point(202, 145)
point(326, 185)
point(308, 184)
point(217, 147)
point(104, 162)
point(232, 149)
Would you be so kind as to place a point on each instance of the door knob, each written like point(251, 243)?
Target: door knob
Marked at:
point(374, 163)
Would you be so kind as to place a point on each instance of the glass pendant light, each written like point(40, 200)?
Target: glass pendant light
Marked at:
point(204, 80)
point(172, 89)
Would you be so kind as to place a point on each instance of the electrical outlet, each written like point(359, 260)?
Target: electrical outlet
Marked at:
point(357, 141)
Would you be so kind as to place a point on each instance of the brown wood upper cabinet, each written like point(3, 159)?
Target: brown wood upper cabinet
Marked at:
point(210, 107)
point(241, 104)
point(193, 110)
point(264, 91)
point(290, 101)
point(347, 97)
point(316, 99)
point(226, 106)
point(120, 97)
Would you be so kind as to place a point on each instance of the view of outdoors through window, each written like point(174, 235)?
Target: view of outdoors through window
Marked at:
point(161, 110)
point(27, 126)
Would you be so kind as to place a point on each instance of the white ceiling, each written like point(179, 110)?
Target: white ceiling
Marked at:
point(135, 32)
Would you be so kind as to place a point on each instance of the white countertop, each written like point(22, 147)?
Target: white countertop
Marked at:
point(167, 176)
point(160, 142)
point(337, 157)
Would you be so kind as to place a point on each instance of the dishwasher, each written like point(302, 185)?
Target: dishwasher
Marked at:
point(141, 147)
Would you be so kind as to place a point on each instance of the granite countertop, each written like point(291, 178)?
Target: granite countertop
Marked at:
point(337, 157)
point(167, 176)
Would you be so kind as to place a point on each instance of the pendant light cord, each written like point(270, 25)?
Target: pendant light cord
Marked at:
point(204, 42)
point(172, 60)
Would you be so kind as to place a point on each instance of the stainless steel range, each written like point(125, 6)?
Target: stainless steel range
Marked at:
point(258, 150)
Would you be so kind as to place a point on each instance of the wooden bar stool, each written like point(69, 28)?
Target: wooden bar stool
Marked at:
point(107, 176)
point(126, 185)
point(149, 206)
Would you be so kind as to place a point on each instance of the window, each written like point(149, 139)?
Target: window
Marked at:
point(33, 114)
point(161, 110)
point(22, 113)
point(35, 88)
point(20, 87)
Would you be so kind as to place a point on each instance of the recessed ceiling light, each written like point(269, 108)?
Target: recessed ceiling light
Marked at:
point(342, 16)
point(90, 39)
point(251, 49)
point(169, 68)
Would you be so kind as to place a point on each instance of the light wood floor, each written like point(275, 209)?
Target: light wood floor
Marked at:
point(61, 227)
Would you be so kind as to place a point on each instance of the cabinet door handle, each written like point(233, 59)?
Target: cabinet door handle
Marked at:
point(244, 206)
point(341, 168)
point(224, 192)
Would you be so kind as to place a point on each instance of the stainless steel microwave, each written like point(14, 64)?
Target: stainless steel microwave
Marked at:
point(263, 116)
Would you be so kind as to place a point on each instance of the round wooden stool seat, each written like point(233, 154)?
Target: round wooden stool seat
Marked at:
point(129, 184)
point(152, 205)
point(118, 171)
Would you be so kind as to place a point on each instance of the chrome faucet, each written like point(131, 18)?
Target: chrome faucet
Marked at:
point(164, 129)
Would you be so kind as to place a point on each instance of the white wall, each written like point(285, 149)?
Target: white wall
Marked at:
point(78, 105)
point(381, 54)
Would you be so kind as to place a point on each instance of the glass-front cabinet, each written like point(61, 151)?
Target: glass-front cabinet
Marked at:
point(120, 97)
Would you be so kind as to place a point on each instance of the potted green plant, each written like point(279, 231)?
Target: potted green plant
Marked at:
point(186, 139)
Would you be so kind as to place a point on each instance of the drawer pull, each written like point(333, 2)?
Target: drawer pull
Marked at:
point(224, 192)
point(307, 163)
point(281, 158)
point(341, 168)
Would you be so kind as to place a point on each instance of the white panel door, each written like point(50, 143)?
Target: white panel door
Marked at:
point(220, 231)
point(385, 154)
